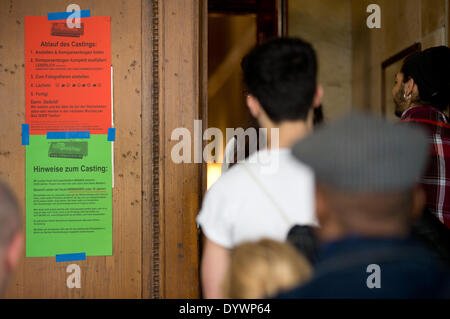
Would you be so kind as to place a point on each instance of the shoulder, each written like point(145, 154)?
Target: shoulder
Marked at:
point(226, 191)
point(278, 163)
point(233, 181)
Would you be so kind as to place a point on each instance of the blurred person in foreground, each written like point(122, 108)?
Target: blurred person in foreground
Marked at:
point(11, 236)
point(263, 268)
point(270, 192)
point(366, 201)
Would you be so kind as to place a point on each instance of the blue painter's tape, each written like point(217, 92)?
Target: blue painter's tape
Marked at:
point(67, 135)
point(70, 257)
point(111, 134)
point(25, 134)
point(65, 15)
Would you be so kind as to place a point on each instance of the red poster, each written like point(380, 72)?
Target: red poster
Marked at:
point(68, 75)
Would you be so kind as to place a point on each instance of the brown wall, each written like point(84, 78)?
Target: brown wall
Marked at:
point(350, 54)
point(327, 25)
point(403, 23)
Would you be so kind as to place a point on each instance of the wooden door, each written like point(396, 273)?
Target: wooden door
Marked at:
point(156, 52)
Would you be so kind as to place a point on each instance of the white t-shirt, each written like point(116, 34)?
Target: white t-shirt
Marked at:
point(237, 209)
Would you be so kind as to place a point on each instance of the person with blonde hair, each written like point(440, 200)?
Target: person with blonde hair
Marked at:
point(264, 268)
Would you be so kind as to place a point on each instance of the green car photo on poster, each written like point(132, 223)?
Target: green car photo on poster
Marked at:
point(71, 149)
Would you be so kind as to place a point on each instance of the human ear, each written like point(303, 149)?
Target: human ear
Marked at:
point(253, 106)
point(408, 87)
point(318, 95)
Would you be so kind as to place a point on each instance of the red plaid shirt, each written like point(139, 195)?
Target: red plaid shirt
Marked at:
point(436, 180)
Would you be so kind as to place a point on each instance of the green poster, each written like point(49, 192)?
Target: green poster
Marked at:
point(68, 196)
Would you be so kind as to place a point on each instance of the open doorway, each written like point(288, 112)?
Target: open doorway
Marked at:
point(234, 28)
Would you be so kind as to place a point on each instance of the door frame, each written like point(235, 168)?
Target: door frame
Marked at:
point(170, 246)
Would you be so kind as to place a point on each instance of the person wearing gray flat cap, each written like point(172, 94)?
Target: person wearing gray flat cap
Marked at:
point(366, 200)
